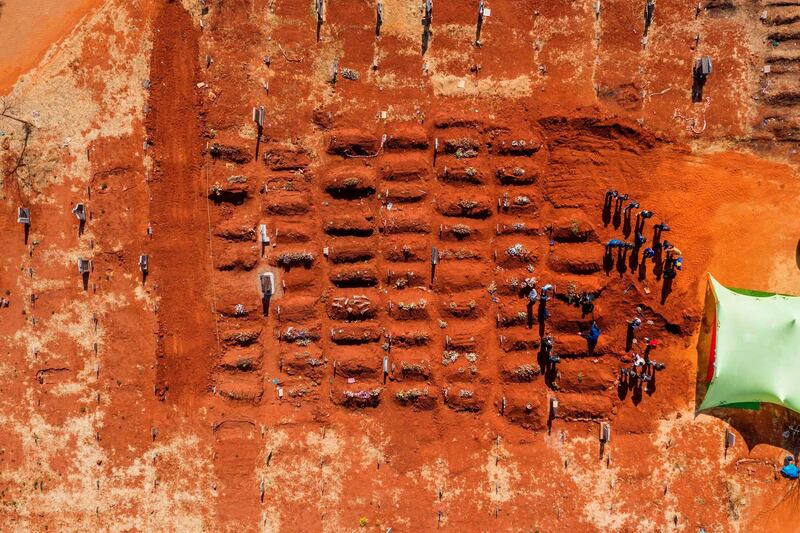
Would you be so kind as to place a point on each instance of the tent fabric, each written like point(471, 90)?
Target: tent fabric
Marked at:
point(756, 349)
point(712, 356)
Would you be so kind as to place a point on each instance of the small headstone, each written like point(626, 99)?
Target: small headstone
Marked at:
point(79, 211)
point(703, 66)
point(605, 432)
point(730, 439)
point(334, 72)
point(267, 282)
point(259, 114)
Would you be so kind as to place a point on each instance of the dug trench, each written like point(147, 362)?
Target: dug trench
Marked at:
point(188, 342)
point(178, 211)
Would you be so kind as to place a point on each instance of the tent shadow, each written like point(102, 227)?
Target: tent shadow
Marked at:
point(797, 254)
point(766, 425)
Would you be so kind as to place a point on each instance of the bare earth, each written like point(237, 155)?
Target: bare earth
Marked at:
point(181, 402)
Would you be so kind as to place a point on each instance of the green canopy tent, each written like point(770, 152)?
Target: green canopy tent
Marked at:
point(754, 351)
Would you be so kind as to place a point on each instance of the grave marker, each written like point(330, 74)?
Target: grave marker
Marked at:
point(730, 439)
point(320, 6)
point(24, 216)
point(481, 10)
point(605, 432)
point(267, 283)
point(259, 114)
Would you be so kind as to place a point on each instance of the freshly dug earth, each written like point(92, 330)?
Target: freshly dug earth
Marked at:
point(396, 376)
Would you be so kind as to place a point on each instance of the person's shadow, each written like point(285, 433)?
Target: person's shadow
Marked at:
point(656, 236)
point(542, 358)
point(623, 387)
point(542, 315)
point(797, 254)
point(634, 259)
point(658, 264)
point(626, 224)
point(608, 261)
point(639, 226)
point(549, 370)
point(617, 219)
point(642, 270)
point(636, 397)
point(666, 289)
point(607, 210)
point(622, 267)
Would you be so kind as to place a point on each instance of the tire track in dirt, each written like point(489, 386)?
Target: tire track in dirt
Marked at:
point(180, 255)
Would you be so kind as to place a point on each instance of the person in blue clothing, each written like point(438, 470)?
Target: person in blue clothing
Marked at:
point(790, 469)
point(615, 243)
point(592, 335)
point(544, 314)
point(648, 253)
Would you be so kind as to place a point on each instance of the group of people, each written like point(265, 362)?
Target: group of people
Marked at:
point(586, 303)
point(542, 296)
point(642, 367)
point(673, 259)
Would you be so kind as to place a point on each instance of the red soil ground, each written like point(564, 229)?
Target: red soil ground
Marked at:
point(191, 404)
point(28, 29)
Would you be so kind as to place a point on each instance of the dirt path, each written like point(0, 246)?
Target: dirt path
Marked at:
point(180, 244)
